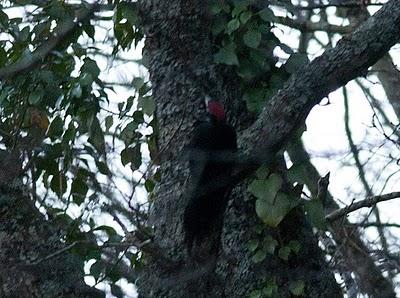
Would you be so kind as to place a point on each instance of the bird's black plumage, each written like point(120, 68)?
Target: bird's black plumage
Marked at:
point(211, 157)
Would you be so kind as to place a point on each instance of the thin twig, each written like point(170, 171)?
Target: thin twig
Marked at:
point(368, 202)
point(308, 26)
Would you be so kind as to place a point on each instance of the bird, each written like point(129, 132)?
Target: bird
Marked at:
point(212, 150)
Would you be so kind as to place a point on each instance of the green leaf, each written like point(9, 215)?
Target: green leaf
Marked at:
point(316, 214)
point(3, 57)
point(149, 185)
point(3, 95)
point(89, 29)
point(256, 294)
point(138, 83)
point(3, 19)
point(49, 165)
point(56, 127)
point(146, 103)
point(296, 287)
point(116, 291)
point(252, 245)
point(133, 156)
point(58, 184)
point(85, 79)
point(239, 6)
point(270, 244)
point(295, 62)
point(261, 59)
point(270, 289)
point(262, 172)
point(120, 106)
point(232, 26)
point(24, 34)
point(136, 158)
point(69, 134)
point(252, 38)
point(272, 210)
point(102, 167)
point(131, 14)
point(215, 7)
point(90, 66)
point(108, 229)
point(96, 269)
point(129, 103)
point(78, 50)
point(79, 190)
point(247, 71)
point(36, 96)
point(138, 117)
point(97, 136)
point(267, 15)
point(218, 25)
point(54, 151)
point(284, 253)
point(109, 122)
point(227, 55)
point(295, 246)
point(296, 173)
point(128, 133)
point(259, 256)
point(255, 99)
point(245, 16)
point(266, 189)
point(126, 155)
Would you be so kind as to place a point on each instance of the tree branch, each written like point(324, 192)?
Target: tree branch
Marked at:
point(308, 26)
point(351, 58)
point(349, 4)
point(368, 202)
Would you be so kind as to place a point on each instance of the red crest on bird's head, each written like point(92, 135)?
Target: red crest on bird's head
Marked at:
point(216, 109)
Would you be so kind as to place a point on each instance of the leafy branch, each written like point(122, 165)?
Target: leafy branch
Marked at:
point(27, 62)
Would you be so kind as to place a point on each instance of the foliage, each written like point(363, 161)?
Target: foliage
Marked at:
point(61, 115)
point(247, 44)
point(88, 151)
point(272, 204)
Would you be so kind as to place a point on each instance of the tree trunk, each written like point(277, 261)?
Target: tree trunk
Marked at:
point(180, 63)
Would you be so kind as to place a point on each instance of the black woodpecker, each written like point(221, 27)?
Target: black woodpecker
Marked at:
point(211, 159)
